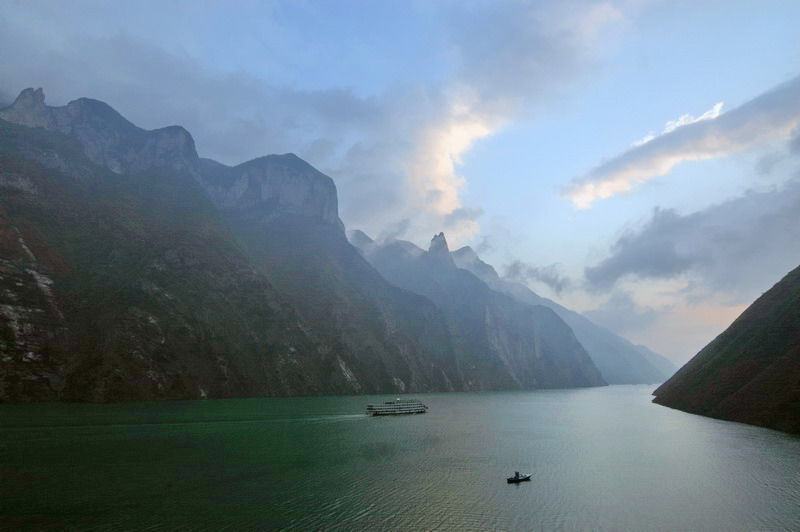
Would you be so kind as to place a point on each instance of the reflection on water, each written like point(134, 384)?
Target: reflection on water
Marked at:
point(601, 458)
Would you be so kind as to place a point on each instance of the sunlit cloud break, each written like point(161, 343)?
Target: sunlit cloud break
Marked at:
point(771, 116)
point(683, 120)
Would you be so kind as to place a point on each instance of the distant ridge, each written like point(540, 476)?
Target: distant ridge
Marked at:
point(500, 342)
point(619, 361)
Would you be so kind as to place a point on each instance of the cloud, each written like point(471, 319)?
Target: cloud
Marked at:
point(548, 275)
point(622, 314)
point(394, 231)
point(771, 116)
point(394, 151)
point(463, 219)
point(652, 252)
point(740, 247)
point(683, 120)
point(485, 245)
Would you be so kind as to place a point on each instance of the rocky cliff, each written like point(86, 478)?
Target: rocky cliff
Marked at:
point(500, 342)
point(271, 186)
point(751, 372)
point(185, 277)
point(619, 361)
point(121, 287)
point(390, 339)
point(134, 269)
point(107, 138)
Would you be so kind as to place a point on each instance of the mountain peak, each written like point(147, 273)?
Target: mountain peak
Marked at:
point(439, 253)
point(30, 97)
point(360, 241)
point(466, 259)
point(357, 236)
point(438, 245)
point(28, 109)
point(466, 253)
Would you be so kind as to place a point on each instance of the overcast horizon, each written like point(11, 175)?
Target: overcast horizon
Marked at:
point(634, 160)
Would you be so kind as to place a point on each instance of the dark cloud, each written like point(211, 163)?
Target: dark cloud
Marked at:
point(622, 314)
point(740, 247)
point(549, 275)
point(651, 252)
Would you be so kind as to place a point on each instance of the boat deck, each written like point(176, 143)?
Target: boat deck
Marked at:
point(398, 407)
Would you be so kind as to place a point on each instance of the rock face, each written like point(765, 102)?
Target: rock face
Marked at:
point(271, 186)
point(153, 273)
point(133, 269)
point(619, 361)
point(31, 320)
point(107, 138)
point(387, 339)
point(500, 342)
point(751, 372)
point(127, 287)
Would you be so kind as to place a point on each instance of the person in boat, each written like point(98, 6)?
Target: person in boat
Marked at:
point(516, 474)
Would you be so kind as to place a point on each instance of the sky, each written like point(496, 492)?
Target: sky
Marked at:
point(635, 160)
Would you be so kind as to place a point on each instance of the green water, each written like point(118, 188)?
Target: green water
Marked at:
point(601, 458)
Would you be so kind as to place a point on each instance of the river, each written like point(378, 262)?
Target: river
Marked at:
point(601, 458)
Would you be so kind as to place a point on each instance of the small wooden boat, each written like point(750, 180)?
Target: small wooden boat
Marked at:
point(518, 478)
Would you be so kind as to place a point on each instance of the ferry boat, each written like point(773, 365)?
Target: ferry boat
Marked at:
point(397, 407)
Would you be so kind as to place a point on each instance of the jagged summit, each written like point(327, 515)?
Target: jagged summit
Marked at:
point(438, 245)
point(107, 137)
point(28, 109)
point(439, 252)
point(30, 97)
point(273, 185)
point(225, 280)
point(500, 343)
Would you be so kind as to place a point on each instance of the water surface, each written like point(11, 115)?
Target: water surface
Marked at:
point(602, 458)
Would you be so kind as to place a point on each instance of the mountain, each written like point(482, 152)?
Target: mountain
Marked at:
point(619, 361)
point(751, 372)
point(501, 342)
point(660, 362)
point(284, 213)
point(120, 287)
point(138, 270)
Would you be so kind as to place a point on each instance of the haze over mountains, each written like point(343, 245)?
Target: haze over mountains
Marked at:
point(134, 269)
point(462, 273)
